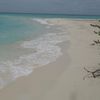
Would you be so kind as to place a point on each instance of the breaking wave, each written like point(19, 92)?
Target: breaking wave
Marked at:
point(41, 21)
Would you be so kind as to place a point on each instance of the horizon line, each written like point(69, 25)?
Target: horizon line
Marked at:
point(49, 13)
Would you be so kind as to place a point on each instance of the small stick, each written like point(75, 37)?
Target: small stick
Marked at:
point(94, 74)
point(96, 42)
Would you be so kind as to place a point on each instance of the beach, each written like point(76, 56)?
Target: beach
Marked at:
point(63, 79)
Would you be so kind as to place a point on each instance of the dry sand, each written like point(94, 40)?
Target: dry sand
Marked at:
point(63, 79)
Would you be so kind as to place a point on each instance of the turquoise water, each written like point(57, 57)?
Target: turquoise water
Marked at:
point(14, 28)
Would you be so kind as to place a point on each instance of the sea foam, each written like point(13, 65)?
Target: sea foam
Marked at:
point(44, 21)
point(47, 51)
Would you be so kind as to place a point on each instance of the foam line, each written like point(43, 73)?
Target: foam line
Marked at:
point(47, 51)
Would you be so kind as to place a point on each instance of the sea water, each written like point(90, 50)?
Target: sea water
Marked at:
point(26, 43)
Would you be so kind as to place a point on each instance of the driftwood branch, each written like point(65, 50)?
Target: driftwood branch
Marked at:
point(95, 26)
point(94, 74)
point(96, 42)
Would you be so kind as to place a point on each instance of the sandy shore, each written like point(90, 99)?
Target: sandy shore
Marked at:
point(63, 79)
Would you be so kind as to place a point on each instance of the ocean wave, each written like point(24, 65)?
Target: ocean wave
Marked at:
point(43, 21)
point(47, 51)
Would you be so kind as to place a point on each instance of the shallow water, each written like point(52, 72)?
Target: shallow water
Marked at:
point(26, 43)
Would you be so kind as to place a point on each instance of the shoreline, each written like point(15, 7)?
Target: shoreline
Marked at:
point(63, 79)
point(39, 81)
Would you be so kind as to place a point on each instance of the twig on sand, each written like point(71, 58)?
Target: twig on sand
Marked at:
point(95, 25)
point(94, 74)
point(96, 42)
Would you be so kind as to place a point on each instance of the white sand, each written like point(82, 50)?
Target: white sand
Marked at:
point(63, 79)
